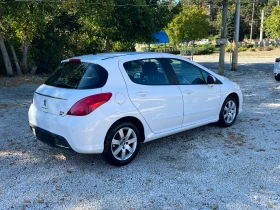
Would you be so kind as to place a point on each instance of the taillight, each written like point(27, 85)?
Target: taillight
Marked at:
point(277, 60)
point(89, 104)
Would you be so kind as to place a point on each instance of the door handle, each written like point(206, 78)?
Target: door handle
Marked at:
point(187, 92)
point(142, 94)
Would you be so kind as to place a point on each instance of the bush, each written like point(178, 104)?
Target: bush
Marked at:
point(268, 48)
point(241, 49)
point(227, 48)
point(204, 49)
point(252, 49)
point(250, 45)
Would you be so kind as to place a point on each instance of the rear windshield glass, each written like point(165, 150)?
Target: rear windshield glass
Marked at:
point(78, 76)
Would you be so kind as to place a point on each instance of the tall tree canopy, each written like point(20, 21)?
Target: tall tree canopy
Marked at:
point(44, 32)
point(272, 23)
point(190, 24)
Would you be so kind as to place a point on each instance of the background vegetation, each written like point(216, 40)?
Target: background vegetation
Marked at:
point(37, 35)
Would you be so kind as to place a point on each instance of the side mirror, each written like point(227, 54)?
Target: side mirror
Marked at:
point(211, 80)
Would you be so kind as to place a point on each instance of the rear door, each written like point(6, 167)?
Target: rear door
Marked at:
point(150, 90)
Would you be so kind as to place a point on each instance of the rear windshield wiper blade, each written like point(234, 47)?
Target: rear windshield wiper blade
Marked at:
point(61, 84)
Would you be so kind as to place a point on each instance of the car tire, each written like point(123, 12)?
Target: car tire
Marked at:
point(121, 144)
point(277, 78)
point(228, 112)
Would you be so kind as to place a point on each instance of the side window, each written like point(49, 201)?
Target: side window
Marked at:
point(205, 74)
point(146, 72)
point(187, 73)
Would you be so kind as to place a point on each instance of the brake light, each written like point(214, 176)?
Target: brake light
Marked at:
point(277, 60)
point(87, 105)
point(74, 60)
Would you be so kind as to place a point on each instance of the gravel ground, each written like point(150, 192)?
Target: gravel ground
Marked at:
point(204, 168)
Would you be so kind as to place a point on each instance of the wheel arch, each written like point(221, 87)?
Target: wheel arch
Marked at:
point(234, 95)
point(134, 121)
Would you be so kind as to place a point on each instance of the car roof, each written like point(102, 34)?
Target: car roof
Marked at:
point(105, 56)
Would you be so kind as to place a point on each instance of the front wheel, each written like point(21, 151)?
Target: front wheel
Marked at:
point(228, 112)
point(277, 78)
point(122, 144)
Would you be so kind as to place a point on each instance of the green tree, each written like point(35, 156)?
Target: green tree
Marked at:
point(19, 21)
point(4, 52)
point(190, 24)
point(272, 23)
point(135, 22)
point(46, 32)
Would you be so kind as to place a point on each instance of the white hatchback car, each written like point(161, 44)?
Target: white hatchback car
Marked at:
point(276, 69)
point(110, 103)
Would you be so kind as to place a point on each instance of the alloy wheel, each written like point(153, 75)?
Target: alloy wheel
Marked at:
point(124, 143)
point(229, 111)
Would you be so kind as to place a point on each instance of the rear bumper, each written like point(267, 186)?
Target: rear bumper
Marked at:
point(50, 138)
point(84, 134)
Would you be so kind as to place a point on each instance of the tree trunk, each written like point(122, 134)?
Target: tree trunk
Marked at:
point(25, 51)
point(6, 58)
point(15, 58)
point(33, 70)
point(107, 45)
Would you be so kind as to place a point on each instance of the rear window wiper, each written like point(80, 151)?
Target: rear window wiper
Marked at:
point(61, 84)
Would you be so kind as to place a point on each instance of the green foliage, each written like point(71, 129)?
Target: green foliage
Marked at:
point(204, 49)
point(227, 48)
point(200, 49)
point(123, 46)
point(132, 23)
point(272, 23)
point(57, 30)
point(241, 49)
point(190, 24)
point(269, 48)
point(230, 26)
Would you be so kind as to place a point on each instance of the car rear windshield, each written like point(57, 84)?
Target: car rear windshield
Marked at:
point(78, 76)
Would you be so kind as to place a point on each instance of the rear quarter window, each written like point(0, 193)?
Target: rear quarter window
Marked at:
point(78, 76)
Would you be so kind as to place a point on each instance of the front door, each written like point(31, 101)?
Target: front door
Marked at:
point(201, 101)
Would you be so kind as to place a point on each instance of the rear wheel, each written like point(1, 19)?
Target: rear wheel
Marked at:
point(122, 144)
point(277, 78)
point(228, 112)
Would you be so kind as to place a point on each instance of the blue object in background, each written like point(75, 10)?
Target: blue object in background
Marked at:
point(161, 37)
